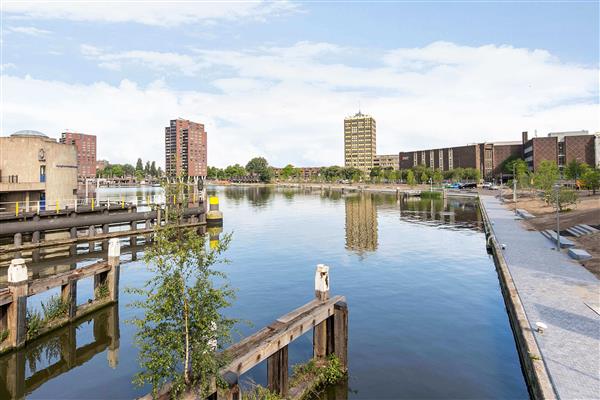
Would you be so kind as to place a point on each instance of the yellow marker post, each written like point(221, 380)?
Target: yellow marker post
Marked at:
point(122, 202)
point(147, 200)
point(57, 207)
point(92, 204)
point(17, 209)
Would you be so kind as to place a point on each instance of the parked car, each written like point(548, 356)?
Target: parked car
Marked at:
point(471, 185)
point(455, 185)
point(487, 185)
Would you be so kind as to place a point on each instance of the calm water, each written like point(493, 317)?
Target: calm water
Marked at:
point(427, 319)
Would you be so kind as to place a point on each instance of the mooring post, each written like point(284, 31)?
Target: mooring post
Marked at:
point(338, 334)
point(35, 238)
point(114, 254)
point(17, 309)
point(73, 247)
point(18, 241)
point(322, 294)
point(132, 238)
point(91, 234)
point(277, 372)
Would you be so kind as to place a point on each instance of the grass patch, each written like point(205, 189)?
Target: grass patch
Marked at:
point(323, 373)
point(431, 195)
point(258, 392)
point(101, 291)
point(55, 308)
point(3, 335)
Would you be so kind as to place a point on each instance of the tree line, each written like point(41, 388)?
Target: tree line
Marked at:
point(140, 171)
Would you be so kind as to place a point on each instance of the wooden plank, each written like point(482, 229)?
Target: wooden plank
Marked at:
point(5, 297)
point(300, 310)
point(281, 337)
point(43, 284)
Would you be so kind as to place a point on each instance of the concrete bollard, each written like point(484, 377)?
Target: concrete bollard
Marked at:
point(114, 261)
point(17, 309)
point(322, 294)
point(214, 216)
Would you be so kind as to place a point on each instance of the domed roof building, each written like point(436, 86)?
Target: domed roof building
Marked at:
point(29, 133)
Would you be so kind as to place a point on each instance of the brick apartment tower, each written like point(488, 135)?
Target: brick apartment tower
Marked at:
point(86, 152)
point(185, 149)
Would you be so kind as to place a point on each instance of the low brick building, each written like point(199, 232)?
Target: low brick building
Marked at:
point(560, 147)
point(485, 157)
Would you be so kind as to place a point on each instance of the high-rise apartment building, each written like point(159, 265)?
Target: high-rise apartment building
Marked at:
point(86, 152)
point(185, 149)
point(360, 141)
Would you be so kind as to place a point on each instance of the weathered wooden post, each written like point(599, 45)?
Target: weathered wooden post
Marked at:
point(18, 241)
point(132, 238)
point(68, 293)
point(233, 391)
point(277, 372)
point(322, 294)
point(337, 329)
point(114, 254)
point(91, 234)
point(35, 238)
point(73, 247)
point(17, 309)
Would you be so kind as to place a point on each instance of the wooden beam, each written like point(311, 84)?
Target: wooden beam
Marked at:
point(43, 284)
point(260, 346)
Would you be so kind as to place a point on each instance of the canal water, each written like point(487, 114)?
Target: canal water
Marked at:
point(426, 316)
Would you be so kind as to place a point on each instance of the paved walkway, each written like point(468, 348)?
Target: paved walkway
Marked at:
point(554, 289)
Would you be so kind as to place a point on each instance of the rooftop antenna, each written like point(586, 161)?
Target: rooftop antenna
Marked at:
point(536, 133)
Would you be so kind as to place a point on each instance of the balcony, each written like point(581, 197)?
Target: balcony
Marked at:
point(11, 183)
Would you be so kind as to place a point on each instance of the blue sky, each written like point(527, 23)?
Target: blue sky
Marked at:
point(276, 79)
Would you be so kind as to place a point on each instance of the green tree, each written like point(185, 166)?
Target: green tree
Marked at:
point(159, 172)
point(147, 168)
point(575, 169)
point(182, 327)
point(259, 166)
point(437, 176)
point(410, 178)
point(545, 176)
point(233, 171)
point(128, 170)
point(287, 171)
point(153, 170)
point(139, 165)
point(117, 170)
point(591, 179)
point(424, 177)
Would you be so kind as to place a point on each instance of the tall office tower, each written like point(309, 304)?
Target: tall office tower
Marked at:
point(360, 141)
point(86, 152)
point(185, 149)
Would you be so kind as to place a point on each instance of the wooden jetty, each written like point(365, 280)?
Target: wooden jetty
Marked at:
point(87, 225)
point(13, 299)
point(326, 317)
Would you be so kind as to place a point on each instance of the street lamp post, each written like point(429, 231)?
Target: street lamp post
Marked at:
point(557, 188)
point(431, 184)
point(514, 188)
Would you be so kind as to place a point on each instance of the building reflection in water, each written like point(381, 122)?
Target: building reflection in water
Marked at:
point(361, 223)
point(20, 372)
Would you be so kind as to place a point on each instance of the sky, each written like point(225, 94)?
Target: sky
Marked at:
point(276, 79)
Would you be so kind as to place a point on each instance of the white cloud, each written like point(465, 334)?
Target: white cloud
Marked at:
point(158, 13)
point(28, 30)
point(288, 104)
point(160, 61)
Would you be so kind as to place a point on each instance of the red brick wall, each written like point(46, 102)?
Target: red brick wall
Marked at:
point(580, 148)
point(502, 153)
point(545, 148)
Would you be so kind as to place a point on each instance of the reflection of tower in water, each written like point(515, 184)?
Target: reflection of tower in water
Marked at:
point(361, 223)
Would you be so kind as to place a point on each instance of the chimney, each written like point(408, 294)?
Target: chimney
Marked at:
point(524, 137)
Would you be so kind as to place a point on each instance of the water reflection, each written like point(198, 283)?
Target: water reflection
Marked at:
point(361, 223)
point(56, 353)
